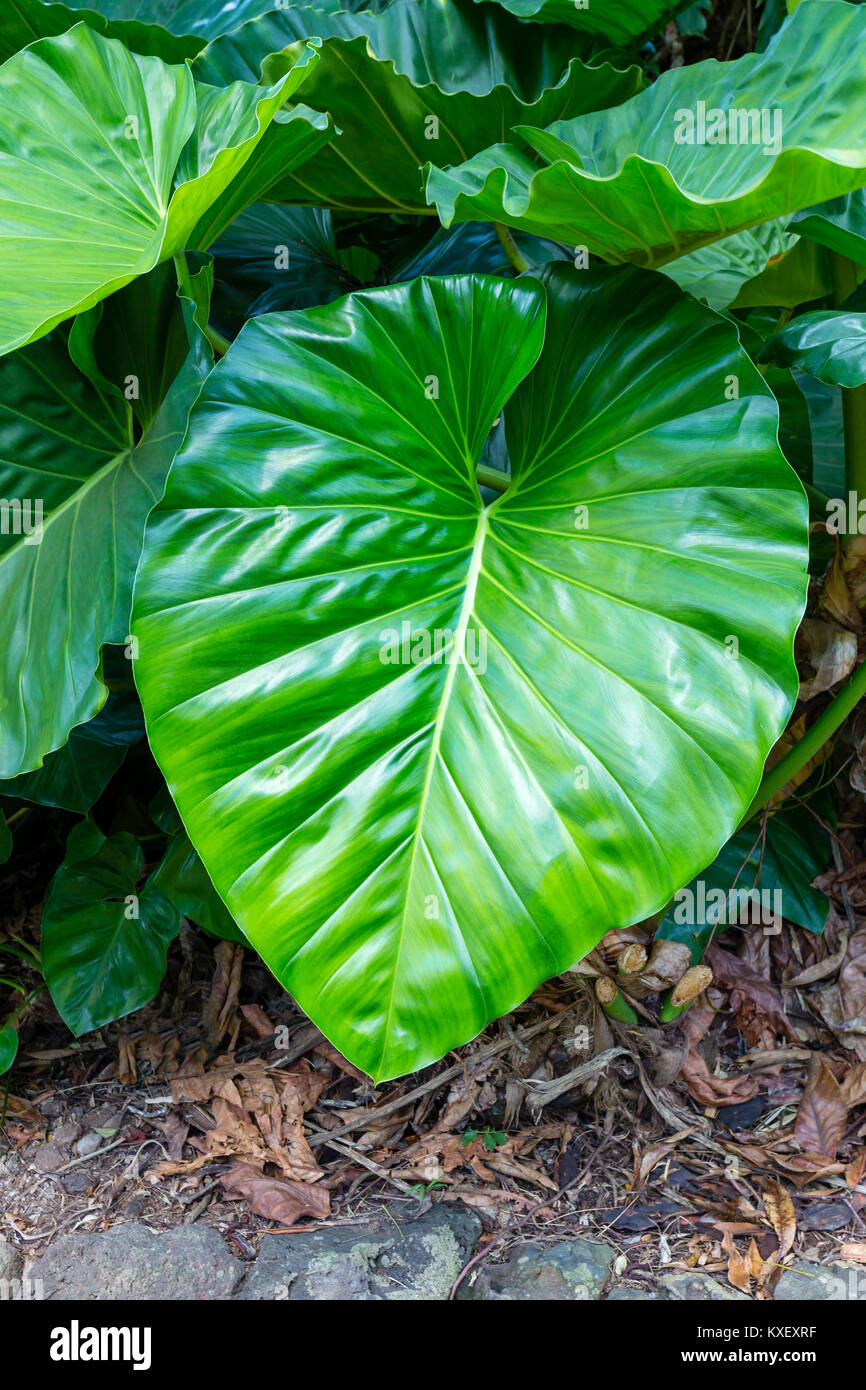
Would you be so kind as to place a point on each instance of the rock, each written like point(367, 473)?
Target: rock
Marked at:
point(568, 1271)
point(820, 1283)
point(11, 1263)
point(695, 1286)
point(47, 1158)
point(66, 1134)
point(89, 1143)
point(393, 1259)
point(130, 1261)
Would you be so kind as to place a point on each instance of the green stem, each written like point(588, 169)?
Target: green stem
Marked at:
point(492, 477)
point(854, 398)
point(811, 743)
point(512, 251)
point(219, 344)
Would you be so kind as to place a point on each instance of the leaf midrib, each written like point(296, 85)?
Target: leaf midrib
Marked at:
point(472, 575)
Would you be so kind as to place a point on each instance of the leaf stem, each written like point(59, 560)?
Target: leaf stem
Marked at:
point(811, 743)
point(512, 251)
point(219, 344)
point(494, 478)
point(844, 273)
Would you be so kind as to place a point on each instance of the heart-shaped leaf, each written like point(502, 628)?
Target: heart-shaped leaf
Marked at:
point(104, 943)
point(76, 489)
point(828, 344)
point(621, 21)
point(420, 78)
point(430, 751)
point(707, 151)
point(108, 160)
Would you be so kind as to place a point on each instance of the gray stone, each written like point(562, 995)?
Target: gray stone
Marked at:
point(130, 1261)
point(393, 1259)
point(11, 1263)
point(821, 1283)
point(694, 1286)
point(47, 1158)
point(572, 1270)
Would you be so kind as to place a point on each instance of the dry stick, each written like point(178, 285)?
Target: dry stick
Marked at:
point(483, 1054)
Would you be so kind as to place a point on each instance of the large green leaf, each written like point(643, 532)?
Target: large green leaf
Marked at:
point(414, 833)
point(828, 344)
point(24, 21)
point(171, 29)
point(104, 940)
point(840, 225)
point(419, 78)
point(621, 21)
point(74, 777)
point(77, 488)
point(646, 181)
point(108, 160)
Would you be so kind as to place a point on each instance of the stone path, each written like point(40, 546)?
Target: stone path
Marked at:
point(389, 1259)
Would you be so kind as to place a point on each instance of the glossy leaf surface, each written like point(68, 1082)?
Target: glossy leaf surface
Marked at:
point(430, 751)
point(828, 344)
point(108, 160)
point(77, 489)
point(621, 21)
point(419, 79)
point(660, 175)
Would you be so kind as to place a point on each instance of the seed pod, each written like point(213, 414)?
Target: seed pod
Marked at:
point(632, 959)
point(693, 983)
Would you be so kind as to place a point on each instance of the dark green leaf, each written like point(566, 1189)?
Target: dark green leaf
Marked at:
point(75, 776)
point(182, 879)
point(828, 344)
point(104, 942)
point(8, 1047)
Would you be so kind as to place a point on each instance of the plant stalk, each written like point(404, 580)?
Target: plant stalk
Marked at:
point(512, 250)
point(853, 398)
point(811, 743)
point(219, 344)
point(492, 477)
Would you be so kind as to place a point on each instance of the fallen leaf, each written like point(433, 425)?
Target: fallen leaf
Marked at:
point(830, 651)
point(258, 1020)
point(278, 1199)
point(820, 1123)
point(744, 983)
point(221, 1004)
point(854, 1250)
point(783, 1218)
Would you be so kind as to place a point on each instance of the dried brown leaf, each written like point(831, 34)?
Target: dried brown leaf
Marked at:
point(278, 1199)
point(820, 1122)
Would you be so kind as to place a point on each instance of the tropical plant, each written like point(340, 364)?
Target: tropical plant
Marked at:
point(409, 426)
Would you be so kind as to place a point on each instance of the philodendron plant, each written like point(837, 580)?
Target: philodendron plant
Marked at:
point(390, 412)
